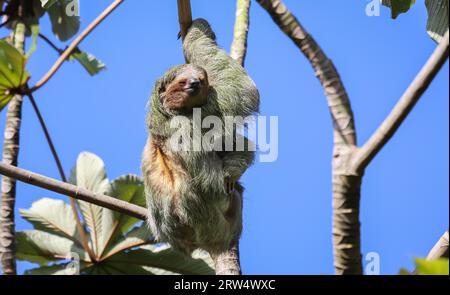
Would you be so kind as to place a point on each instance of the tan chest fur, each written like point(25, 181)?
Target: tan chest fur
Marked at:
point(162, 170)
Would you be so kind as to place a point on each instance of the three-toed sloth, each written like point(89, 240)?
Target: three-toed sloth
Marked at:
point(194, 197)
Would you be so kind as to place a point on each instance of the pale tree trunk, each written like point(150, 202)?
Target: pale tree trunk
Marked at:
point(350, 161)
point(227, 262)
point(10, 156)
point(440, 250)
point(346, 182)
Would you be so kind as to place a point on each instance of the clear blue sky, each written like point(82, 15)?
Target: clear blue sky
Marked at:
point(287, 226)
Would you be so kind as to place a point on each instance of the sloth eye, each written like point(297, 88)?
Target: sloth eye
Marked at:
point(182, 83)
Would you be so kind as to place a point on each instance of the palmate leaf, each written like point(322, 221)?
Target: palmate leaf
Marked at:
point(432, 267)
point(57, 269)
point(64, 26)
point(136, 237)
point(54, 217)
point(128, 188)
point(111, 268)
point(89, 62)
point(437, 23)
point(123, 251)
point(398, 6)
point(164, 260)
point(89, 173)
point(41, 247)
point(12, 72)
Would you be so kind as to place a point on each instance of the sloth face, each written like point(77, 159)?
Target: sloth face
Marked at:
point(188, 90)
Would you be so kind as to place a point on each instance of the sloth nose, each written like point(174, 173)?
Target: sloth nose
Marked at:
point(194, 83)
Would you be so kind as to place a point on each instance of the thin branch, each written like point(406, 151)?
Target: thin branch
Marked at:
point(66, 54)
point(50, 43)
point(239, 46)
point(440, 250)
point(72, 191)
point(405, 104)
point(73, 205)
point(184, 16)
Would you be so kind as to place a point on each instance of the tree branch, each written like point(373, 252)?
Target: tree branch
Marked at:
point(72, 191)
point(440, 250)
point(405, 104)
point(346, 182)
point(184, 16)
point(50, 43)
point(66, 54)
point(239, 46)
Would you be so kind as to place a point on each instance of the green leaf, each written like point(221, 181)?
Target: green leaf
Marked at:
point(109, 268)
point(64, 26)
point(89, 173)
point(432, 267)
point(53, 216)
point(47, 3)
point(92, 65)
point(165, 258)
point(12, 71)
point(437, 23)
point(34, 37)
point(128, 188)
point(57, 269)
point(398, 6)
point(136, 237)
point(404, 272)
point(41, 247)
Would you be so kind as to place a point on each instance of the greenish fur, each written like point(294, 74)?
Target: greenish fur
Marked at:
point(198, 220)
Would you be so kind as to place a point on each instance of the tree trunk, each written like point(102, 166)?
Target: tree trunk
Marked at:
point(10, 156)
point(227, 262)
point(346, 181)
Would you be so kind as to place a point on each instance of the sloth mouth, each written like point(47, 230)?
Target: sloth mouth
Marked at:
point(191, 89)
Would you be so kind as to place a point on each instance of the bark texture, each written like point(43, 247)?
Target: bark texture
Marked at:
point(346, 181)
point(10, 156)
point(241, 27)
point(440, 250)
point(227, 262)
